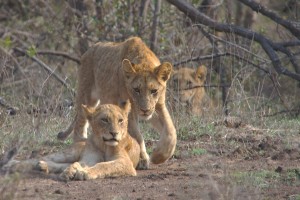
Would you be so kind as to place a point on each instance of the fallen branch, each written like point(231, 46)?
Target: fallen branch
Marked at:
point(58, 53)
point(47, 68)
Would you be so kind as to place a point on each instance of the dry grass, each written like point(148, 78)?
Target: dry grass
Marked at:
point(252, 97)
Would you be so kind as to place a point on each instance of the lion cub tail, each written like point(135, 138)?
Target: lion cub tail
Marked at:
point(64, 134)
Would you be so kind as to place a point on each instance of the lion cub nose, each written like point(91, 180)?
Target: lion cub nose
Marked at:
point(113, 133)
point(145, 111)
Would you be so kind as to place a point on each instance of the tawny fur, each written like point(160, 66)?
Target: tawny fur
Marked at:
point(108, 151)
point(128, 70)
point(187, 89)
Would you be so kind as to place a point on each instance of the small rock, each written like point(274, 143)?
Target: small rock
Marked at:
point(278, 169)
point(58, 191)
point(171, 195)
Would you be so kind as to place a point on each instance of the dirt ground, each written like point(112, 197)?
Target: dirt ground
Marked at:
point(241, 165)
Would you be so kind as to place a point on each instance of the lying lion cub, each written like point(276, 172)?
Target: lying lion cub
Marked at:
point(187, 87)
point(108, 151)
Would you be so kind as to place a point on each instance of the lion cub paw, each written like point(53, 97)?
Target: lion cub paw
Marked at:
point(74, 172)
point(69, 173)
point(42, 166)
point(143, 163)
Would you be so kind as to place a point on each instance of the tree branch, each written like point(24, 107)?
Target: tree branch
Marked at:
point(59, 53)
point(207, 57)
point(267, 45)
point(48, 69)
point(273, 16)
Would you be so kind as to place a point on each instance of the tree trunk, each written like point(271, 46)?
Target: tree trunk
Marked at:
point(153, 39)
point(206, 7)
point(142, 16)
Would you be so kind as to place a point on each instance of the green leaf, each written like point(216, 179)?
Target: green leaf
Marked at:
point(6, 42)
point(199, 151)
point(31, 51)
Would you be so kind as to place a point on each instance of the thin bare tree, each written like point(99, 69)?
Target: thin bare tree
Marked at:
point(153, 39)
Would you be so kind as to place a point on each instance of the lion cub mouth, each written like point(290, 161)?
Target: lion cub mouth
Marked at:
point(146, 116)
point(111, 141)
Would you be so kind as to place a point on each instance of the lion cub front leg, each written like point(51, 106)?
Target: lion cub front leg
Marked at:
point(119, 167)
point(166, 145)
point(80, 127)
point(74, 171)
point(144, 161)
point(135, 133)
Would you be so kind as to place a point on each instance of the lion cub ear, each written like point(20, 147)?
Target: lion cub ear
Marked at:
point(126, 106)
point(164, 71)
point(174, 72)
point(89, 111)
point(128, 68)
point(201, 72)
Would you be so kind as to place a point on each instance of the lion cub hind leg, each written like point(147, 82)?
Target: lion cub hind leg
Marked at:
point(69, 155)
point(20, 166)
point(57, 162)
point(51, 167)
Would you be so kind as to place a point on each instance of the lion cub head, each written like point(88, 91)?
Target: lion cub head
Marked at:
point(109, 122)
point(186, 81)
point(146, 85)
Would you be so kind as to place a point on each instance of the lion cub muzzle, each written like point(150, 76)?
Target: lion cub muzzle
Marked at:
point(113, 140)
point(146, 114)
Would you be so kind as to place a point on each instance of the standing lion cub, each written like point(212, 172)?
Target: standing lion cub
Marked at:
point(127, 70)
point(108, 151)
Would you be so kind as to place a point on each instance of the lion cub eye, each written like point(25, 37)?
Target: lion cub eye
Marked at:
point(105, 120)
point(121, 121)
point(137, 90)
point(154, 91)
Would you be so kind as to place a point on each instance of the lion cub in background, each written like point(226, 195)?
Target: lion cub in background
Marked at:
point(187, 86)
point(108, 151)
